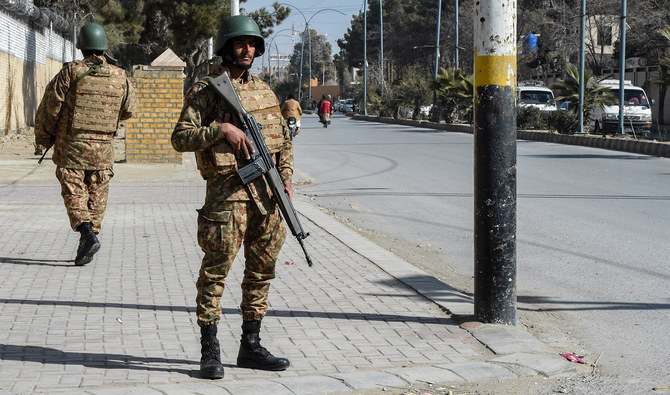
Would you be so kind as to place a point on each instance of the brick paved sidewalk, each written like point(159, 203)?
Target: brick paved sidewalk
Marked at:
point(127, 319)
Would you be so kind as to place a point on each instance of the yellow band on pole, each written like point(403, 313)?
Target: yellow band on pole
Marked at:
point(497, 70)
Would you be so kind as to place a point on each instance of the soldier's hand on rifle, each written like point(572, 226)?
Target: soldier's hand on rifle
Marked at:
point(39, 149)
point(289, 188)
point(238, 140)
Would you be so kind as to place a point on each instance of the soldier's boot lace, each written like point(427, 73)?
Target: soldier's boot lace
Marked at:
point(88, 244)
point(254, 356)
point(210, 362)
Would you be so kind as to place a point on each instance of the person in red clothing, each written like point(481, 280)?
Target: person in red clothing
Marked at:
point(325, 109)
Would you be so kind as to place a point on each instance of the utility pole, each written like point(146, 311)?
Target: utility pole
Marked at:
point(622, 65)
point(456, 35)
point(437, 49)
point(381, 46)
point(495, 161)
point(365, 57)
point(582, 29)
point(74, 30)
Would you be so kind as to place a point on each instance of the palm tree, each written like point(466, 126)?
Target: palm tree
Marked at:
point(663, 81)
point(594, 93)
point(413, 90)
point(456, 93)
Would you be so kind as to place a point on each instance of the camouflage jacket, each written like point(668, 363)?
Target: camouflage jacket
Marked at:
point(80, 113)
point(197, 131)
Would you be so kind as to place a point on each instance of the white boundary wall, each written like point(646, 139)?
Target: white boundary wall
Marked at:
point(30, 56)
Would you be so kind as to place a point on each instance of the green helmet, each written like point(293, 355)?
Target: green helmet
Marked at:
point(92, 37)
point(236, 26)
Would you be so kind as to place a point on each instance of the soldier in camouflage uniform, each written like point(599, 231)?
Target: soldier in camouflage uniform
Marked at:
point(79, 115)
point(235, 213)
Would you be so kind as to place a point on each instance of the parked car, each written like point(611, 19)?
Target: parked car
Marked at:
point(337, 105)
point(349, 105)
point(533, 94)
point(636, 110)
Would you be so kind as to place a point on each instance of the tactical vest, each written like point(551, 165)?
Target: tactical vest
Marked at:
point(259, 100)
point(98, 98)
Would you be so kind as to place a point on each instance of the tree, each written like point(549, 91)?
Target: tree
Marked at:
point(414, 90)
point(594, 93)
point(455, 92)
point(663, 81)
point(409, 37)
point(553, 23)
point(322, 63)
point(139, 31)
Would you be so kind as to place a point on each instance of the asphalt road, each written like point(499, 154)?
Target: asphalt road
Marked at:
point(593, 228)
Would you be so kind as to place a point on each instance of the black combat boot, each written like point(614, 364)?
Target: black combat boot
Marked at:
point(254, 356)
point(210, 362)
point(88, 244)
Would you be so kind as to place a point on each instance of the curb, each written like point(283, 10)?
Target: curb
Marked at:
point(645, 147)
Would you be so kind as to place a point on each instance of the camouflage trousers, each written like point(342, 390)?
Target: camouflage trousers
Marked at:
point(84, 194)
point(220, 235)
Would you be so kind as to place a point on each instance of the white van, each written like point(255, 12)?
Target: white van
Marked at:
point(636, 110)
point(535, 94)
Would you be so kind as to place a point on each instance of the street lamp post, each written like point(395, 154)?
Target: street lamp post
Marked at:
point(582, 28)
point(622, 64)
point(456, 36)
point(437, 49)
point(381, 45)
point(365, 57)
point(269, 47)
point(309, 45)
point(270, 41)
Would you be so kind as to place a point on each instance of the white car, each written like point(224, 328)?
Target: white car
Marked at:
point(349, 105)
point(636, 110)
point(533, 94)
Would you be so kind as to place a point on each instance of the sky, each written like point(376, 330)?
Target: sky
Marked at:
point(331, 23)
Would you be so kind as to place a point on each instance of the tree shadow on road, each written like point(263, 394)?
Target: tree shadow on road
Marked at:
point(579, 305)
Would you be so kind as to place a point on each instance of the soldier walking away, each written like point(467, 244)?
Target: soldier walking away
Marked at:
point(235, 213)
point(79, 115)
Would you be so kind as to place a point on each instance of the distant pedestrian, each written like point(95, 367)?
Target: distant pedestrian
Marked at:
point(79, 115)
point(235, 213)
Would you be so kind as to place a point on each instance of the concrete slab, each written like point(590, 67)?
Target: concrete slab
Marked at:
point(505, 339)
point(425, 374)
point(253, 387)
point(309, 385)
point(479, 371)
point(545, 364)
point(371, 379)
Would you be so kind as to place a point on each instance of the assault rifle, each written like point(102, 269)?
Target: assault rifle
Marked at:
point(261, 162)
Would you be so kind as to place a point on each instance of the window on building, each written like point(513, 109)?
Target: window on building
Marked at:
point(605, 35)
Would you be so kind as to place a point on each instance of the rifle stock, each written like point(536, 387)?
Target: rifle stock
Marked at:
point(261, 162)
